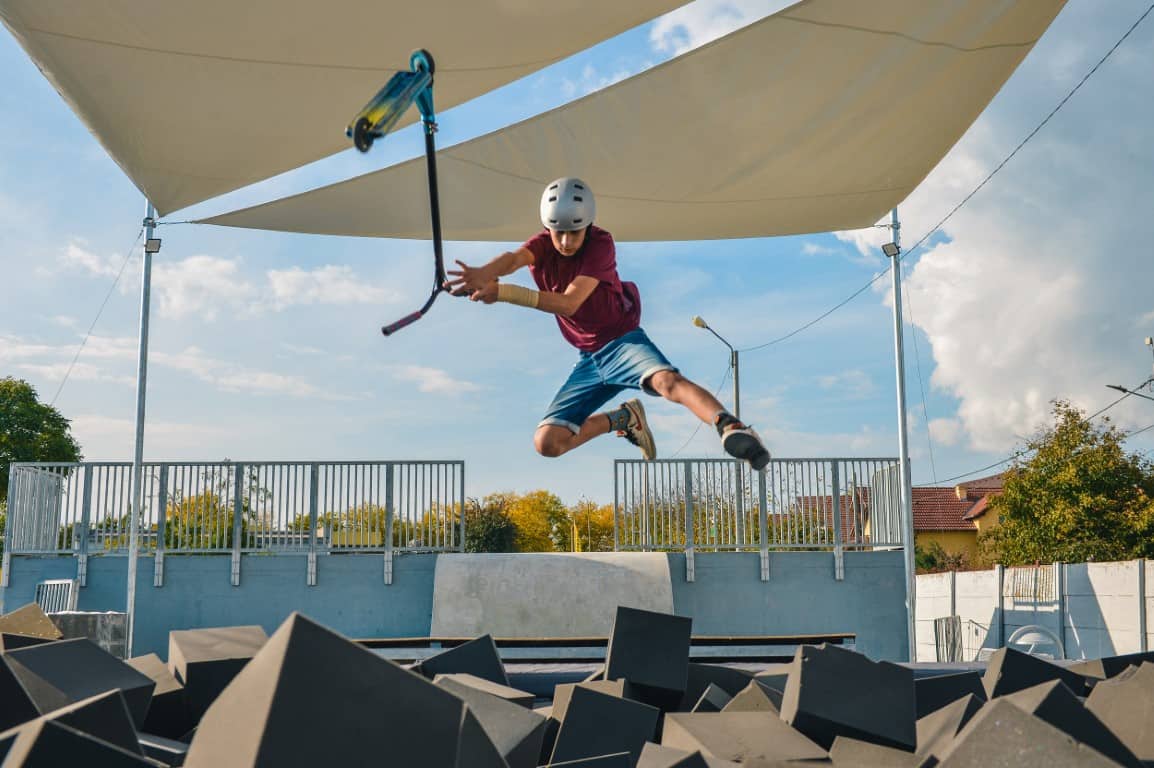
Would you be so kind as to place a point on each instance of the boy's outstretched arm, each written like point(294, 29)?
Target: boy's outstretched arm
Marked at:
point(468, 279)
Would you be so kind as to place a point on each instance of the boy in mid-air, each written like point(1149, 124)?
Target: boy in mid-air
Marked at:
point(574, 265)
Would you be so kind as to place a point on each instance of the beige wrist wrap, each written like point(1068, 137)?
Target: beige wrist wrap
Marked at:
point(516, 294)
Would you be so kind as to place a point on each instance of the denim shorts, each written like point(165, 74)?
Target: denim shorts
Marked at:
point(624, 363)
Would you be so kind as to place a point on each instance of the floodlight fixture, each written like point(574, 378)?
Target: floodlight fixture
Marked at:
point(891, 249)
point(152, 245)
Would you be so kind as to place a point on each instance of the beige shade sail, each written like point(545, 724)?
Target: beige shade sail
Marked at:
point(818, 118)
point(194, 99)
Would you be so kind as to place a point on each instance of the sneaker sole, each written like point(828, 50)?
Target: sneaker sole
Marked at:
point(638, 410)
point(747, 448)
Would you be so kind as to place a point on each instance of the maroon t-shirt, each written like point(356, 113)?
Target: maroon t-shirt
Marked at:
point(614, 307)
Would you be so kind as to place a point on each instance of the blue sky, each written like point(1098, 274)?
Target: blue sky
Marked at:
point(266, 346)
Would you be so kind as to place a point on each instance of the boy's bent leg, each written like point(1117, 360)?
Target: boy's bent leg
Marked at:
point(677, 389)
point(738, 439)
point(552, 440)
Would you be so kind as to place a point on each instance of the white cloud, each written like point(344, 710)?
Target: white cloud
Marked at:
point(703, 21)
point(207, 287)
point(853, 384)
point(946, 431)
point(330, 284)
point(813, 249)
point(591, 79)
point(1033, 292)
point(201, 286)
point(80, 372)
point(434, 380)
point(230, 377)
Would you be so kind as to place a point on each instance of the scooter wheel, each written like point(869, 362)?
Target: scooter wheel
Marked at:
point(362, 136)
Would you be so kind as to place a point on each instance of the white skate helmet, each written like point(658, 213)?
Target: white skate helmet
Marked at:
point(567, 205)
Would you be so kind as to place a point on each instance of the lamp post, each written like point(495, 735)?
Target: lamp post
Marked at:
point(739, 498)
point(700, 323)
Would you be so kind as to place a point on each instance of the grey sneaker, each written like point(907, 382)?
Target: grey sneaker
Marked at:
point(637, 431)
point(741, 442)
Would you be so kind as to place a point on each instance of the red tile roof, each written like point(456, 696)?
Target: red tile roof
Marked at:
point(938, 509)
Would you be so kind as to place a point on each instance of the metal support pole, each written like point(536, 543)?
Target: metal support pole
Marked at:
point(690, 532)
point(763, 522)
point(161, 523)
point(314, 512)
point(389, 512)
point(1143, 641)
point(905, 490)
point(838, 551)
point(736, 384)
point(82, 533)
point(1000, 581)
point(238, 493)
point(138, 452)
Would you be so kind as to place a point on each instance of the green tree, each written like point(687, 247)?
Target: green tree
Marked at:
point(542, 522)
point(1078, 497)
point(934, 558)
point(30, 430)
point(593, 524)
point(487, 525)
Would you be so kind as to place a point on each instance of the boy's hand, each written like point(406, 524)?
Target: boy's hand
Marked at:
point(469, 280)
point(486, 294)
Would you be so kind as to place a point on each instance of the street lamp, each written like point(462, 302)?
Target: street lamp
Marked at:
point(700, 323)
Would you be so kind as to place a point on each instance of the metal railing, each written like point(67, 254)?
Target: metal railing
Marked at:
point(238, 506)
point(720, 504)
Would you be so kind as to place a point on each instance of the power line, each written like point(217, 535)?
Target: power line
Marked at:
point(1019, 454)
point(967, 198)
point(99, 312)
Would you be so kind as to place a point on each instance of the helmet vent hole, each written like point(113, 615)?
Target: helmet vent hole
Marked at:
point(578, 198)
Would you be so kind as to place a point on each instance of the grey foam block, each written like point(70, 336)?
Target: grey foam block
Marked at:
point(206, 660)
point(1057, 705)
point(47, 743)
point(1003, 736)
point(658, 756)
point(57, 674)
point(651, 651)
point(713, 699)
point(615, 760)
point(933, 693)
point(1125, 704)
point(1009, 670)
point(851, 753)
point(31, 621)
point(937, 730)
point(774, 675)
point(701, 676)
point(10, 641)
point(512, 695)
point(168, 711)
point(755, 697)
point(16, 706)
point(744, 737)
point(478, 657)
point(834, 692)
point(167, 751)
point(516, 731)
point(599, 724)
point(1109, 666)
point(564, 692)
point(104, 717)
point(311, 697)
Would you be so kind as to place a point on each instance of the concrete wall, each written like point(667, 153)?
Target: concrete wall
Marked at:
point(1095, 609)
point(350, 595)
point(727, 596)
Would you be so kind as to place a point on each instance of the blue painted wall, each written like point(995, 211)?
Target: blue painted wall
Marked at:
point(727, 596)
point(350, 595)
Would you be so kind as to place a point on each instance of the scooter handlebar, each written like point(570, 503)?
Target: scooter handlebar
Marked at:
point(404, 321)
